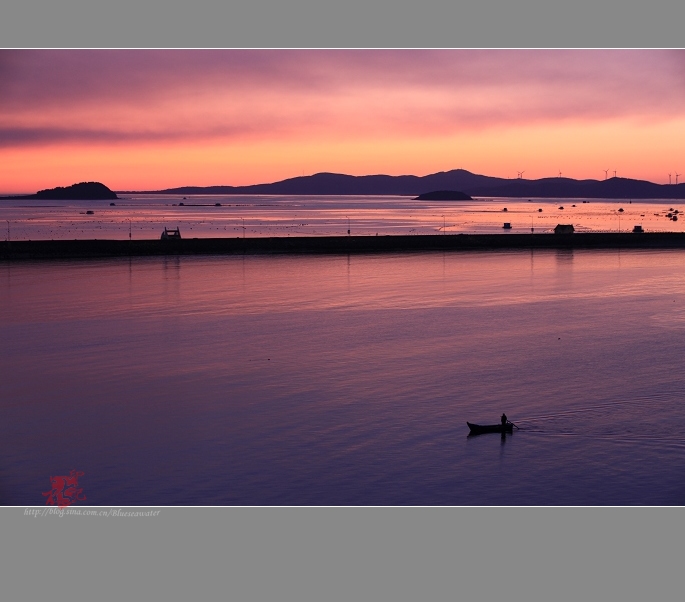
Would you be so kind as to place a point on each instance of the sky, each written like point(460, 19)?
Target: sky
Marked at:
point(153, 119)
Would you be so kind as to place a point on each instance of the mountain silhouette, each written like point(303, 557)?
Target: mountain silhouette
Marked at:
point(457, 180)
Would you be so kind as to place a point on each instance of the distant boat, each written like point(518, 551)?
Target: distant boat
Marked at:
point(478, 429)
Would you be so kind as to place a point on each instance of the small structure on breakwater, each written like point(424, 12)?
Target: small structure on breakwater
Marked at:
point(564, 229)
point(171, 234)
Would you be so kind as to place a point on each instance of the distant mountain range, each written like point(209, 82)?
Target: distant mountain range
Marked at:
point(472, 184)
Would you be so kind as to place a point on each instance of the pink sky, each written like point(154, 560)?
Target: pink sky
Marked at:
point(157, 119)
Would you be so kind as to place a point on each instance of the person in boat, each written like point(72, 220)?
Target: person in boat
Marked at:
point(504, 419)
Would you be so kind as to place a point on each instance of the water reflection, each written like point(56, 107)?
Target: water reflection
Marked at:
point(296, 380)
point(564, 257)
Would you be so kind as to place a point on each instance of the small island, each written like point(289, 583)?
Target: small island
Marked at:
point(84, 191)
point(444, 195)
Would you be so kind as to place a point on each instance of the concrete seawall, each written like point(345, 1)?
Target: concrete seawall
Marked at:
point(67, 249)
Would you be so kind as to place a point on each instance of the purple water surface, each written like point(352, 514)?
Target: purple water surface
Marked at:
point(346, 380)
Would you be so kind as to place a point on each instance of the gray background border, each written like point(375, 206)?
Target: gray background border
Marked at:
point(343, 553)
point(346, 554)
point(331, 23)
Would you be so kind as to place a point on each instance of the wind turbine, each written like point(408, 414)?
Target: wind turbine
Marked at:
point(614, 173)
point(676, 177)
point(520, 173)
point(669, 178)
point(559, 173)
point(606, 174)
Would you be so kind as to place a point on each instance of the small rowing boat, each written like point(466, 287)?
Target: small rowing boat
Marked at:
point(478, 429)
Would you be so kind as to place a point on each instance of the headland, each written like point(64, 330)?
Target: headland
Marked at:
point(83, 191)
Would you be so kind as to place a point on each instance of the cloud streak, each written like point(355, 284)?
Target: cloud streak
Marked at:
point(16, 137)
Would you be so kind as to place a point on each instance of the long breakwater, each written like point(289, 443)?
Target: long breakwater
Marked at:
point(66, 249)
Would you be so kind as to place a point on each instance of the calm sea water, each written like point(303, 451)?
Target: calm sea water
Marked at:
point(146, 216)
point(346, 380)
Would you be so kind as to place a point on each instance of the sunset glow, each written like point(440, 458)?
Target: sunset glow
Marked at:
point(158, 119)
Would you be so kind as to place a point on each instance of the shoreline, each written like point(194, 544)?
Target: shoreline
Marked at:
point(333, 245)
